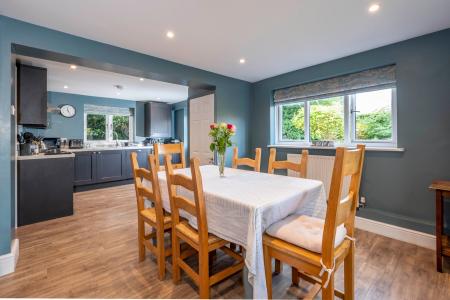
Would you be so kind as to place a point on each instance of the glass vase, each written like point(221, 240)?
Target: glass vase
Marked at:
point(221, 163)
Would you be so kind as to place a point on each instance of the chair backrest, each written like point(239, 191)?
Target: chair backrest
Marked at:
point(341, 209)
point(253, 163)
point(152, 193)
point(164, 149)
point(194, 184)
point(301, 168)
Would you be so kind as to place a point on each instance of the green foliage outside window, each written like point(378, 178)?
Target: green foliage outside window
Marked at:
point(121, 128)
point(327, 122)
point(96, 127)
point(375, 125)
point(292, 127)
point(326, 119)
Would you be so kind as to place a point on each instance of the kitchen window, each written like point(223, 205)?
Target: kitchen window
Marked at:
point(366, 117)
point(344, 110)
point(107, 125)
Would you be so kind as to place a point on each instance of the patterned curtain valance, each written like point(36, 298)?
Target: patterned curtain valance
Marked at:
point(338, 85)
point(107, 110)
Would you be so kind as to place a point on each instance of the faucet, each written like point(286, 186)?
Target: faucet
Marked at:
point(117, 138)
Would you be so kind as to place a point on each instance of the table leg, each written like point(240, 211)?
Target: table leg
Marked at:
point(439, 225)
point(248, 288)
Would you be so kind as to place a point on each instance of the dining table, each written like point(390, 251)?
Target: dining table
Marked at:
point(242, 204)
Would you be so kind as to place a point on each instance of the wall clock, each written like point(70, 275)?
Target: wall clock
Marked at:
point(67, 110)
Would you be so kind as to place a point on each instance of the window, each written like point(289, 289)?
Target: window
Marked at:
point(363, 117)
point(108, 128)
point(372, 116)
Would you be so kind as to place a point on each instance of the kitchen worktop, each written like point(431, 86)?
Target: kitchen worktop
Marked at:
point(106, 148)
point(43, 156)
point(71, 152)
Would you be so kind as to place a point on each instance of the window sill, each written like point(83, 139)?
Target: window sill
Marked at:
point(368, 148)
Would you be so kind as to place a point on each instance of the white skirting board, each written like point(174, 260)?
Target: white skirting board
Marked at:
point(8, 261)
point(398, 233)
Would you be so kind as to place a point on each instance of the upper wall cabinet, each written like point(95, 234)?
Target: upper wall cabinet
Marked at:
point(31, 96)
point(158, 120)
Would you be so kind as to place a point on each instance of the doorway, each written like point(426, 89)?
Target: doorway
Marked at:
point(201, 115)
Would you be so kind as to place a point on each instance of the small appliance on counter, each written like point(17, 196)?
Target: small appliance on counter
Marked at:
point(76, 144)
point(28, 144)
point(51, 143)
point(172, 141)
point(150, 141)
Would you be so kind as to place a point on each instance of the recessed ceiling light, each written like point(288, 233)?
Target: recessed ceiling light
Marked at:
point(66, 87)
point(170, 34)
point(158, 98)
point(73, 67)
point(374, 8)
point(242, 61)
point(141, 79)
point(118, 93)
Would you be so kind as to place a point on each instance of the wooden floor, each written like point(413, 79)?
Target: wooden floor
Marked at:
point(93, 254)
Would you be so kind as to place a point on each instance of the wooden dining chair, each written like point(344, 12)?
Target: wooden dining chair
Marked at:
point(315, 248)
point(164, 149)
point(301, 167)
point(253, 163)
point(199, 239)
point(155, 216)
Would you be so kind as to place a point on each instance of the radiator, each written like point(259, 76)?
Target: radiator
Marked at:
point(320, 167)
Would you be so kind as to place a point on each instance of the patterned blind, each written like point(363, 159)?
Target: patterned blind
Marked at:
point(107, 110)
point(383, 76)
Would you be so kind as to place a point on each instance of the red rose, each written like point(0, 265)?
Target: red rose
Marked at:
point(230, 126)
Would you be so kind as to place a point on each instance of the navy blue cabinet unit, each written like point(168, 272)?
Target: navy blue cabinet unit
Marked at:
point(45, 189)
point(92, 167)
point(31, 96)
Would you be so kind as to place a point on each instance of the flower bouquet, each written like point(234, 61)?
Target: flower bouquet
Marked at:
point(221, 139)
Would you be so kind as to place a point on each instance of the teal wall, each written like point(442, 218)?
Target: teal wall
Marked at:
point(73, 128)
point(232, 96)
point(395, 184)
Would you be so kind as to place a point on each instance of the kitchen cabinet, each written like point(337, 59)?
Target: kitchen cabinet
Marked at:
point(93, 167)
point(85, 168)
point(158, 120)
point(109, 166)
point(31, 96)
point(142, 156)
point(45, 189)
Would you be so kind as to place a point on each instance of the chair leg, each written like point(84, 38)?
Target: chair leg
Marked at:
point(161, 255)
point(233, 246)
point(204, 273)
point(141, 238)
point(349, 274)
point(268, 271)
point(175, 258)
point(278, 266)
point(328, 292)
point(295, 277)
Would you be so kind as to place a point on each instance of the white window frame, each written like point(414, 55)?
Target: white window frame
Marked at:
point(109, 129)
point(349, 123)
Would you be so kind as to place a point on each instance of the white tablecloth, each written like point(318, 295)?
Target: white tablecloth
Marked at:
point(241, 205)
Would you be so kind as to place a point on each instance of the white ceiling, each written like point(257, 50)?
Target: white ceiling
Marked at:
point(273, 36)
point(92, 82)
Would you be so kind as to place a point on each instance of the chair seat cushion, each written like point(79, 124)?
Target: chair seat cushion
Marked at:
point(304, 231)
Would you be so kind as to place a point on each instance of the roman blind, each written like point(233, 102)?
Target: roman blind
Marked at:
point(383, 76)
point(107, 110)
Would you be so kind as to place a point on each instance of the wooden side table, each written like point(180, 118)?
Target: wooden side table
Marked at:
point(442, 189)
